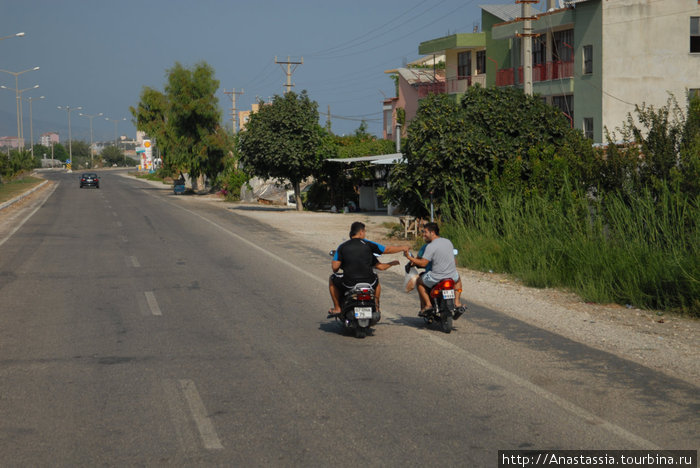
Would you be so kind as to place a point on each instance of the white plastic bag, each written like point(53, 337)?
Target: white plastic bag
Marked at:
point(409, 281)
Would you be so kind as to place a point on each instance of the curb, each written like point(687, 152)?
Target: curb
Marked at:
point(19, 197)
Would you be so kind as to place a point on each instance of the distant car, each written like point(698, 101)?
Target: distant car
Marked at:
point(89, 179)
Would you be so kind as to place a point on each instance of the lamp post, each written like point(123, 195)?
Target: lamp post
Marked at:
point(115, 122)
point(68, 109)
point(19, 34)
point(16, 75)
point(92, 164)
point(31, 122)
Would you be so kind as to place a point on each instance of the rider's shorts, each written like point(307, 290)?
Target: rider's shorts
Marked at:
point(344, 286)
point(429, 281)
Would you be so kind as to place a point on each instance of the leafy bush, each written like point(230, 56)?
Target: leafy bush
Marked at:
point(497, 138)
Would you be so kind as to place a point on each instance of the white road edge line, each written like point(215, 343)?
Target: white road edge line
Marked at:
point(199, 413)
point(30, 214)
point(561, 402)
point(152, 303)
point(135, 262)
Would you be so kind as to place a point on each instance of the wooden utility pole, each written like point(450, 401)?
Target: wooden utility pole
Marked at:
point(233, 107)
point(288, 71)
point(527, 36)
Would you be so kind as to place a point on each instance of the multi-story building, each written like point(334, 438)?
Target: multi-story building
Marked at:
point(49, 138)
point(413, 82)
point(594, 59)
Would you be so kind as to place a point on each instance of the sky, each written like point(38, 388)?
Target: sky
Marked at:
point(99, 54)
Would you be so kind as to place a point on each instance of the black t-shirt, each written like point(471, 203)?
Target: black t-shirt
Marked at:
point(357, 258)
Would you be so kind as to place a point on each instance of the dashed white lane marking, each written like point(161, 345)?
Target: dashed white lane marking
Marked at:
point(114, 213)
point(152, 303)
point(199, 413)
point(134, 262)
point(119, 224)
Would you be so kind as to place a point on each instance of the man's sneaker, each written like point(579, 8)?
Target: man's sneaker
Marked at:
point(425, 313)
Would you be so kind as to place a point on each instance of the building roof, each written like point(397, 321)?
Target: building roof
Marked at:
point(507, 12)
point(421, 75)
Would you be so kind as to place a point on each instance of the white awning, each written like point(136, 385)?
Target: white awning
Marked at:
point(379, 159)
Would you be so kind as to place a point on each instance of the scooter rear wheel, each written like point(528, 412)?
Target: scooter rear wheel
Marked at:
point(446, 321)
point(360, 332)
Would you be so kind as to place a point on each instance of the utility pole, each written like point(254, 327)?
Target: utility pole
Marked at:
point(233, 106)
point(328, 119)
point(527, 36)
point(289, 71)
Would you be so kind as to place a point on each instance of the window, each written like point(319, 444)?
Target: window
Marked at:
point(565, 103)
point(588, 127)
point(587, 59)
point(464, 64)
point(563, 46)
point(389, 121)
point(539, 50)
point(695, 34)
point(480, 62)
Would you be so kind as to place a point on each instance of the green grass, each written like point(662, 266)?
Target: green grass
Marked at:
point(644, 251)
point(10, 190)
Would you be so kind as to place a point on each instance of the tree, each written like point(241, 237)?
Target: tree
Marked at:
point(494, 139)
point(282, 141)
point(184, 120)
point(112, 155)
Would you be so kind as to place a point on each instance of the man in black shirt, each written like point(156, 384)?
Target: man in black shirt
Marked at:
point(358, 259)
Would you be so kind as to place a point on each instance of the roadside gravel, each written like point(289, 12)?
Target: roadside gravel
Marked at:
point(662, 341)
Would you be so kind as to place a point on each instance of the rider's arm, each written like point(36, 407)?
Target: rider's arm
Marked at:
point(392, 249)
point(419, 262)
point(335, 264)
point(386, 266)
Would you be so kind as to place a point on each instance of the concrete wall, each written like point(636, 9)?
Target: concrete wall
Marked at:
point(646, 54)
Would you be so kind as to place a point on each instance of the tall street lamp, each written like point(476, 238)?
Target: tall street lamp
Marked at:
point(19, 34)
point(115, 122)
point(31, 122)
point(16, 75)
point(92, 164)
point(19, 92)
point(68, 109)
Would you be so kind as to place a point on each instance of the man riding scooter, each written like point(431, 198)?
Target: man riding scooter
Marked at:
point(439, 254)
point(357, 258)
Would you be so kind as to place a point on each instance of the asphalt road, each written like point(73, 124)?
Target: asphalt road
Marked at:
point(140, 328)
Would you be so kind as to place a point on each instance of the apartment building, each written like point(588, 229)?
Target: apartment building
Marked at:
point(593, 59)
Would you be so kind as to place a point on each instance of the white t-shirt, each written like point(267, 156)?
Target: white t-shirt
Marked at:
point(441, 253)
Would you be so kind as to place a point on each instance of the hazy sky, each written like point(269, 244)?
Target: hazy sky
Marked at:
point(99, 54)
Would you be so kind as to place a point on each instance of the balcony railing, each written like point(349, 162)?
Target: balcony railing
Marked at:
point(542, 72)
point(456, 85)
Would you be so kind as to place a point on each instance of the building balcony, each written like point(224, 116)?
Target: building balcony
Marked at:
point(542, 72)
point(458, 85)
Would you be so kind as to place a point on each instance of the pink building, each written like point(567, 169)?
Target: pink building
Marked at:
point(49, 138)
point(421, 78)
point(9, 142)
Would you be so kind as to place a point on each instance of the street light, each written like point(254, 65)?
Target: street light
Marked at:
point(115, 122)
point(68, 109)
point(21, 117)
point(92, 164)
point(16, 75)
point(31, 122)
point(19, 34)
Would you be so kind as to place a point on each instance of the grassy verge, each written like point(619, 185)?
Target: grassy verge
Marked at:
point(644, 251)
point(10, 190)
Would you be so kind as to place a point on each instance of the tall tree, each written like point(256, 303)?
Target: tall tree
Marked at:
point(184, 120)
point(282, 141)
point(199, 143)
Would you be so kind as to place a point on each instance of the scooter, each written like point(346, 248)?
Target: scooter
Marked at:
point(442, 301)
point(358, 309)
